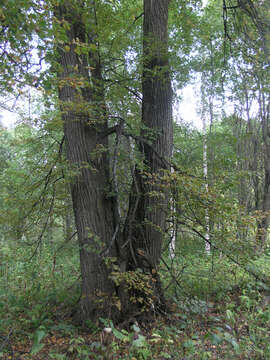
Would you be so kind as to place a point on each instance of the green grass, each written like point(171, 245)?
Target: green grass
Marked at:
point(218, 311)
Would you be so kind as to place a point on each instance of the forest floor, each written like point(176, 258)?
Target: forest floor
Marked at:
point(234, 327)
point(217, 311)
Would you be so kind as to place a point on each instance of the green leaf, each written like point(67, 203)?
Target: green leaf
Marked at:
point(165, 355)
point(215, 339)
point(118, 334)
point(37, 346)
point(188, 343)
point(230, 315)
point(136, 328)
point(56, 356)
point(140, 342)
point(39, 335)
point(235, 346)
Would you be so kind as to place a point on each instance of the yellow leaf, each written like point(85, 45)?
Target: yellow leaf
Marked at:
point(118, 305)
point(2, 16)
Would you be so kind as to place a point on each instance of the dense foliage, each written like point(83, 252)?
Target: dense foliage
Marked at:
point(214, 267)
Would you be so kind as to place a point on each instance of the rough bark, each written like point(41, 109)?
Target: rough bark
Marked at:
point(157, 117)
point(146, 220)
point(83, 112)
point(84, 118)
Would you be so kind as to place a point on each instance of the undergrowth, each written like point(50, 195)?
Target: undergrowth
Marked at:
point(217, 311)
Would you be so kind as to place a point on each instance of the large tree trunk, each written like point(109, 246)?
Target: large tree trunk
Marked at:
point(83, 112)
point(146, 221)
point(84, 118)
point(157, 119)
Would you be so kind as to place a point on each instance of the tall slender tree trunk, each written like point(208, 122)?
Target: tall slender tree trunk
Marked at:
point(205, 174)
point(264, 112)
point(157, 123)
point(146, 221)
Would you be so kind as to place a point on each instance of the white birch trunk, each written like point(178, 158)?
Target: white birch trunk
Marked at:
point(172, 244)
point(205, 173)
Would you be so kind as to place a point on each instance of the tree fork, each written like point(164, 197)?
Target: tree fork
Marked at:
point(146, 219)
